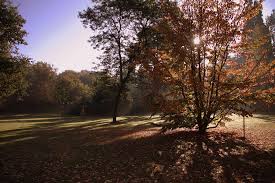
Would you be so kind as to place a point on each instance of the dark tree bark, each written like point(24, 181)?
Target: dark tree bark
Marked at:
point(121, 88)
point(117, 101)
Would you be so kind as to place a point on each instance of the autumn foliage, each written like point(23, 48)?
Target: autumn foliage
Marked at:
point(204, 64)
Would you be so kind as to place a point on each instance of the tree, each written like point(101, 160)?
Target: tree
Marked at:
point(12, 66)
point(11, 29)
point(257, 33)
point(102, 99)
point(13, 73)
point(116, 25)
point(41, 78)
point(70, 90)
point(270, 21)
point(88, 78)
point(198, 82)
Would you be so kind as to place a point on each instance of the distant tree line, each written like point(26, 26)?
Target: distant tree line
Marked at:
point(70, 92)
point(27, 86)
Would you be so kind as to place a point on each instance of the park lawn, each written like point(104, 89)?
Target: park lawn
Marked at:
point(51, 148)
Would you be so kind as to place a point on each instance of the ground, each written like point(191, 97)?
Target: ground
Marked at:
point(50, 148)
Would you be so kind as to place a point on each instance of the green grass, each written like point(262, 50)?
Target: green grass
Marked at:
point(15, 122)
point(257, 121)
point(52, 148)
point(16, 125)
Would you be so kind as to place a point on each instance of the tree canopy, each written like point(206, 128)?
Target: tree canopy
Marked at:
point(117, 26)
point(12, 65)
point(199, 84)
point(11, 28)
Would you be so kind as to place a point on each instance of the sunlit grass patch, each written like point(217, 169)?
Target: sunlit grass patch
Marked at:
point(258, 120)
point(18, 125)
point(16, 140)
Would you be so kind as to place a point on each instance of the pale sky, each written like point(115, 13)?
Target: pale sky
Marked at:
point(56, 35)
point(269, 5)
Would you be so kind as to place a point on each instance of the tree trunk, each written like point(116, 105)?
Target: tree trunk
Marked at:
point(117, 100)
point(82, 111)
point(63, 109)
point(202, 130)
point(120, 90)
point(116, 108)
point(202, 127)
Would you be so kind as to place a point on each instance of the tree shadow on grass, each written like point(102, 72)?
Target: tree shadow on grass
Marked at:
point(44, 126)
point(128, 153)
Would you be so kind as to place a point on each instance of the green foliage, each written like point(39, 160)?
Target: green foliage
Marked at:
point(139, 94)
point(102, 100)
point(13, 77)
point(70, 89)
point(41, 78)
point(11, 29)
point(12, 66)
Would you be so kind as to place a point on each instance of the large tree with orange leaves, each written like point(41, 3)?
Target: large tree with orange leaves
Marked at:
point(199, 81)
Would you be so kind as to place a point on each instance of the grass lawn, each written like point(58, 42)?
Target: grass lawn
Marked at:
point(50, 148)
